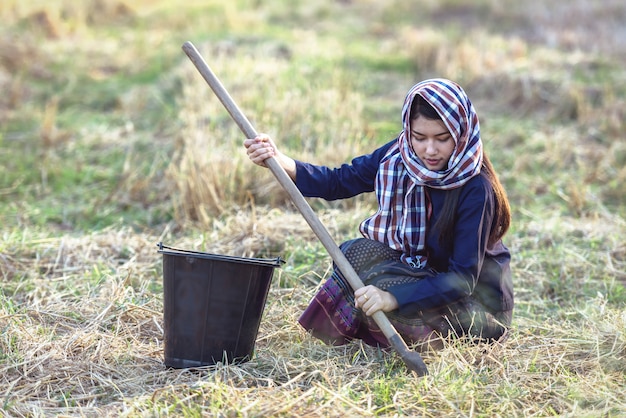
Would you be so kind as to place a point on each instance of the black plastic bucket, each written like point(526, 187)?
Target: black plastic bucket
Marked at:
point(212, 306)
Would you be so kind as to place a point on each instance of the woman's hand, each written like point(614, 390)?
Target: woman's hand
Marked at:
point(371, 299)
point(262, 147)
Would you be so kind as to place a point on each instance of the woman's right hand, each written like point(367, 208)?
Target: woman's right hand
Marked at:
point(262, 147)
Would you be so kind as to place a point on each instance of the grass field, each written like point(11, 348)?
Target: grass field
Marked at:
point(111, 142)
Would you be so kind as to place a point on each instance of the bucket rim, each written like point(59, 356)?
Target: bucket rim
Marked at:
point(166, 250)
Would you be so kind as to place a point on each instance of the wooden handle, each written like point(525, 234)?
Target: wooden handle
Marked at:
point(411, 358)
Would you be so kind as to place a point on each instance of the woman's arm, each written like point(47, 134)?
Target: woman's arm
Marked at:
point(344, 181)
point(317, 180)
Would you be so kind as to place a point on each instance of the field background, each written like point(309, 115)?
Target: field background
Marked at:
point(110, 142)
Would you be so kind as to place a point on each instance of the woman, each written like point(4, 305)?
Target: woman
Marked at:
point(432, 256)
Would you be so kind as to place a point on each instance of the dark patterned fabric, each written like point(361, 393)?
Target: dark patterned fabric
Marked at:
point(332, 317)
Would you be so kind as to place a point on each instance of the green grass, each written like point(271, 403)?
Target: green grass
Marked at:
point(110, 142)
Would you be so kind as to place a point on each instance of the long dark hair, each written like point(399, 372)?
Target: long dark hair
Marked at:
point(446, 222)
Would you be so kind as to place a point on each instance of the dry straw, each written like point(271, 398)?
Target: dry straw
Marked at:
point(87, 340)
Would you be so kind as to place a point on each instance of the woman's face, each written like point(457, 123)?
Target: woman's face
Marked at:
point(431, 142)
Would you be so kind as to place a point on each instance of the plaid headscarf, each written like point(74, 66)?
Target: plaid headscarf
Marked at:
point(403, 207)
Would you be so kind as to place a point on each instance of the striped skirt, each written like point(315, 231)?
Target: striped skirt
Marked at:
point(332, 317)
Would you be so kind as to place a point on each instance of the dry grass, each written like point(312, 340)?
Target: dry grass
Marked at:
point(86, 339)
point(518, 75)
point(96, 350)
point(210, 143)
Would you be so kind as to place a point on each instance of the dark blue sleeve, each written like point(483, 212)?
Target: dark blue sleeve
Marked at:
point(342, 182)
point(475, 213)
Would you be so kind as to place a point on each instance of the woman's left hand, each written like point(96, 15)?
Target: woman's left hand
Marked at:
point(371, 299)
